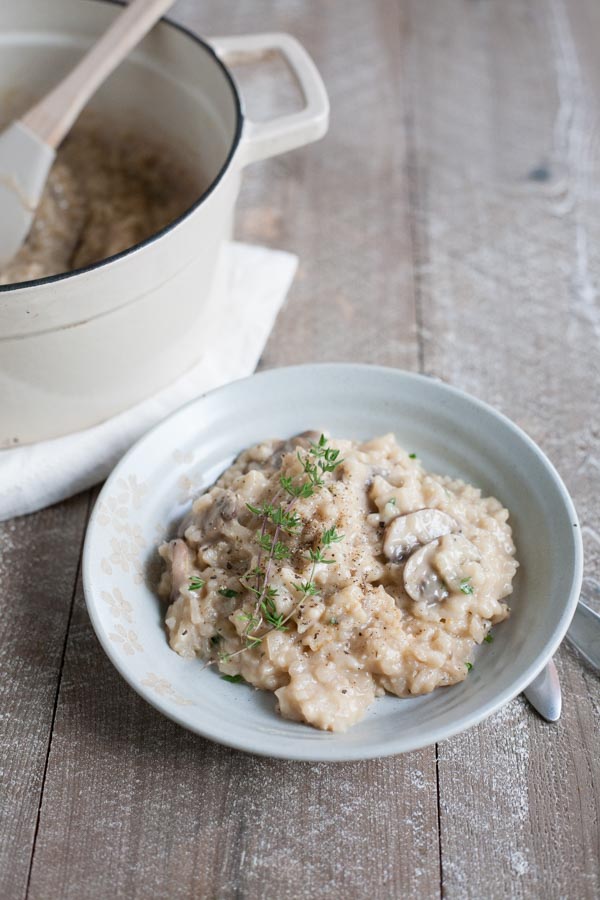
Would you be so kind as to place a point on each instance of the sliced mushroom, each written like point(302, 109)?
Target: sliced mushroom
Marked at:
point(302, 440)
point(181, 566)
point(305, 439)
point(224, 509)
point(404, 533)
point(421, 581)
point(205, 521)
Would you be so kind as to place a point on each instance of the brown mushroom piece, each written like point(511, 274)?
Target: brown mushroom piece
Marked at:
point(404, 533)
point(305, 439)
point(421, 581)
point(224, 509)
point(181, 566)
point(302, 440)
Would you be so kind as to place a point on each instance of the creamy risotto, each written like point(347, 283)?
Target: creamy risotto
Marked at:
point(332, 571)
point(105, 192)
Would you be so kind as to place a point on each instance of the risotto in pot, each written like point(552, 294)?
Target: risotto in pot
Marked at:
point(106, 191)
point(332, 571)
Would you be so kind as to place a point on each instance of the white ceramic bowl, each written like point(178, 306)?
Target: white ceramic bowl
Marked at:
point(452, 433)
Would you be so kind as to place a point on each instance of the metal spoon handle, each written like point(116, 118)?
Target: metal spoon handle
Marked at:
point(544, 693)
point(584, 634)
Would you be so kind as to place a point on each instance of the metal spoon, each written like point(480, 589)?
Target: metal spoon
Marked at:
point(584, 634)
point(544, 693)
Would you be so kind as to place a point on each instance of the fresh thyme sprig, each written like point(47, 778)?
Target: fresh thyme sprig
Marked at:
point(309, 588)
point(319, 460)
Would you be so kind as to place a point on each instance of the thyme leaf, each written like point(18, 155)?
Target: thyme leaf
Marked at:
point(276, 520)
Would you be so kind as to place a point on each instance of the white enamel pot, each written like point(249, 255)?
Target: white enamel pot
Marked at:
point(75, 349)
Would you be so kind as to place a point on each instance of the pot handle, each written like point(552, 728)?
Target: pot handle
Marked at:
point(261, 140)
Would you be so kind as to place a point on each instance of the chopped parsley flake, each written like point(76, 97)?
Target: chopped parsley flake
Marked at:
point(412, 455)
point(466, 587)
point(488, 638)
point(227, 592)
point(234, 679)
point(196, 584)
point(469, 666)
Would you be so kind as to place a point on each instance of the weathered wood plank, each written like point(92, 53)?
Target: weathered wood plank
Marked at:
point(133, 805)
point(506, 99)
point(342, 203)
point(500, 216)
point(39, 556)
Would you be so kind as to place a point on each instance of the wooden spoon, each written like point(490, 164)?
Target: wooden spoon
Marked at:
point(28, 146)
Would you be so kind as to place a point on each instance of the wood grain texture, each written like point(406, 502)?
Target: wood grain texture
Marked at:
point(39, 557)
point(449, 221)
point(341, 204)
point(136, 807)
point(133, 804)
point(508, 228)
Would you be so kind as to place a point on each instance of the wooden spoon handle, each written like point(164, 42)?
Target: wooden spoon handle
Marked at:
point(52, 118)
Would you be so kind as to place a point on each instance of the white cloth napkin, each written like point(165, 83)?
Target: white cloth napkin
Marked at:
point(250, 287)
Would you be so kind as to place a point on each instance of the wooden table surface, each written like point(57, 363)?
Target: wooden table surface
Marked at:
point(449, 224)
